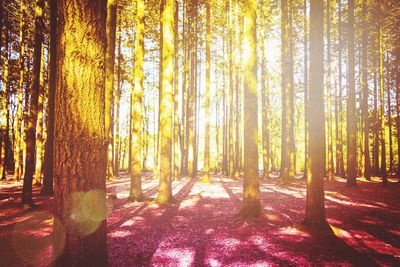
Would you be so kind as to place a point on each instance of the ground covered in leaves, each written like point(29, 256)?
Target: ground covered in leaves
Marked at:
point(201, 229)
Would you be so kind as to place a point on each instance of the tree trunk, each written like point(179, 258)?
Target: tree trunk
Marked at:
point(364, 83)
point(80, 145)
point(166, 111)
point(351, 104)
point(382, 100)
point(4, 110)
point(30, 133)
point(329, 91)
point(111, 26)
point(117, 102)
point(315, 208)
point(136, 193)
point(251, 192)
point(18, 119)
point(206, 177)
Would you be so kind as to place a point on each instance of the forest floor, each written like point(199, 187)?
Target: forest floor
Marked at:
point(201, 229)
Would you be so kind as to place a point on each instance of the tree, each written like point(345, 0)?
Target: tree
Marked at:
point(251, 192)
point(136, 193)
point(166, 105)
point(351, 103)
point(80, 146)
point(47, 188)
point(111, 26)
point(30, 133)
point(287, 153)
point(206, 177)
point(364, 83)
point(18, 119)
point(315, 207)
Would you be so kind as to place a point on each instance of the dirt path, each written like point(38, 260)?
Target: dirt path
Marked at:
point(202, 230)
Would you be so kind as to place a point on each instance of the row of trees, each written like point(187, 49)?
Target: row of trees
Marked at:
point(75, 61)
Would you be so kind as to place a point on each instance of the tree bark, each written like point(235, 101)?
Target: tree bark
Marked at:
point(166, 107)
point(136, 193)
point(251, 192)
point(80, 146)
point(30, 133)
point(315, 208)
point(206, 177)
point(351, 104)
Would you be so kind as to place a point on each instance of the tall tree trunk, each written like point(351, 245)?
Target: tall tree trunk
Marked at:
point(375, 152)
point(39, 126)
point(47, 188)
point(4, 104)
point(397, 54)
point(231, 85)
point(329, 91)
point(176, 92)
point(351, 104)
point(136, 193)
point(339, 149)
point(389, 115)
point(166, 111)
point(111, 26)
point(118, 101)
point(364, 83)
point(80, 146)
point(30, 133)
point(206, 177)
point(287, 172)
point(264, 112)
point(315, 208)
point(382, 100)
point(18, 119)
point(306, 88)
point(251, 192)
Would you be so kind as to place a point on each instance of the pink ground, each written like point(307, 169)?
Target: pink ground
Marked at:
point(202, 230)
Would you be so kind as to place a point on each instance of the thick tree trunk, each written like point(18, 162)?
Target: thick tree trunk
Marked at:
point(30, 133)
point(80, 145)
point(251, 192)
point(136, 193)
point(315, 208)
point(166, 100)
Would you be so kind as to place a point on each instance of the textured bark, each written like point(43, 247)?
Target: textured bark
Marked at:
point(136, 193)
point(166, 105)
point(251, 192)
point(351, 103)
point(398, 106)
point(315, 208)
point(206, 177)
point(364, 83)
point(111, 26)
point(80, 146)
point(30, 133)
